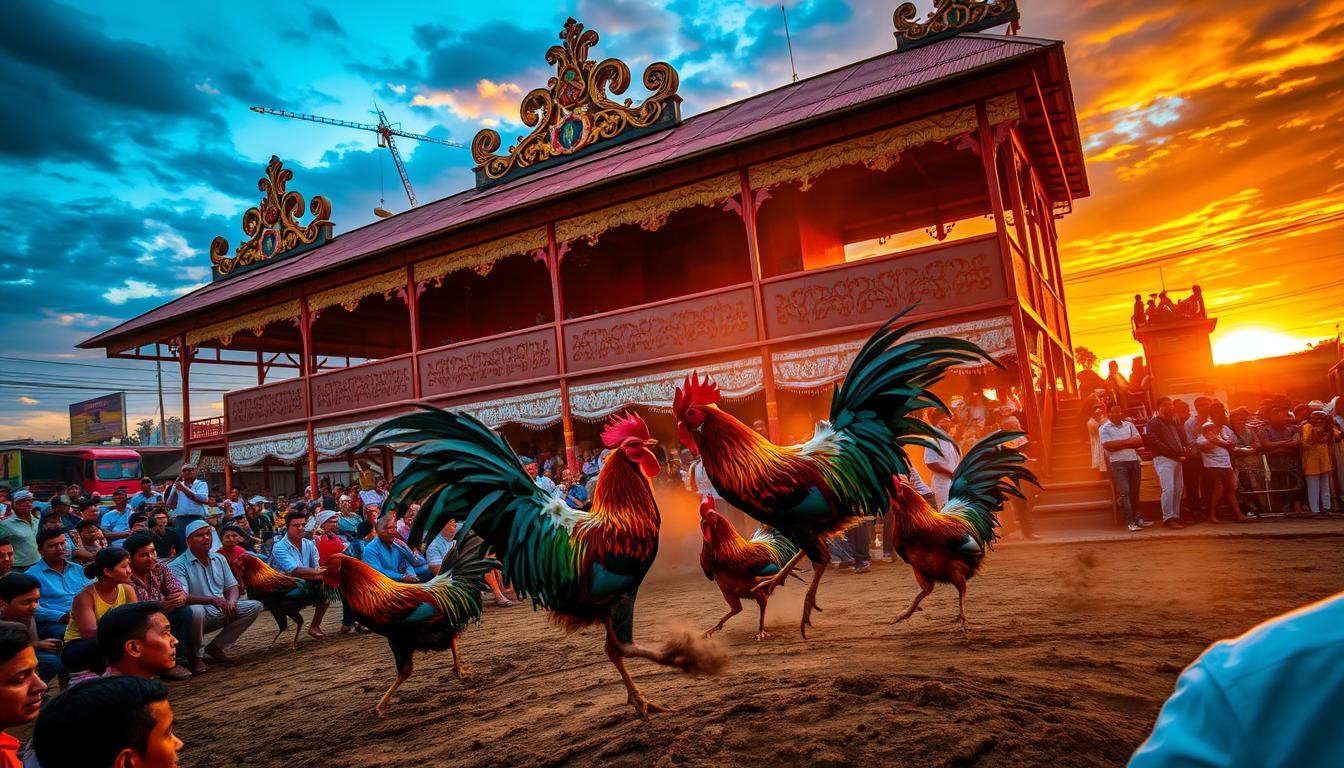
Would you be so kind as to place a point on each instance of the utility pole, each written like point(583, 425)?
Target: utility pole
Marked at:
point(163, 426)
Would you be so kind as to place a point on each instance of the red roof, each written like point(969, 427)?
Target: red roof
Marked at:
point(831, 92)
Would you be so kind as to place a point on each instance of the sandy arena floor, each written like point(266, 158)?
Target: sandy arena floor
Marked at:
point(1072, 649)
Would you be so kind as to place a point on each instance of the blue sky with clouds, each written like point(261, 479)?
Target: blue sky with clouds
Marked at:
point(126, 144)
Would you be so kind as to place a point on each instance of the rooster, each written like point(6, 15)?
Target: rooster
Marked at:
point(737, 565)
point(948, 545)
point(847, 471)
point(413, 617)
point(584, 566)
point(280, 594)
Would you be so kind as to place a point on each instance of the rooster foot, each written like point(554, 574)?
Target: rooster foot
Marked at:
point(906, 615)
point(463, 675)
point(710, 632)
point(760, 635)
point(643, 706)
point(767, 584)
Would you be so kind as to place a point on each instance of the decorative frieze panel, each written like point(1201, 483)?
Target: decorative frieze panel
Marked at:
point(694, 325)
point(737, 379)
point(362, 386)
point(871, 291)
point(262, 406)
point(518, 357)
point(255, 322)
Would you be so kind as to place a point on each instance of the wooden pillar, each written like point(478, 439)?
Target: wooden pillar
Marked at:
point(753, 254)
point(228, 470)
point(413, 312)
point(261, 369)
point(184, 362)
point(306, 371)
point(558, 308)
point(1032, 412)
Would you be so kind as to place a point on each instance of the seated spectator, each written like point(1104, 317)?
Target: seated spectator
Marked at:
point(258, 521)
point(234, 536)
point(297, 556)
point(165, 535)
point(89, 538)
point(60, 505)
point(111, 587)
point(116, 522)
point(121, 722)
point(212, 593)
point(154, 583)
point(137, 640)
point(146, 498)
point(6, 555)
point(21, 694)
point(576, 495)
point(60, 581)
point(139, 522)
point(21, 528)
point(19, 595)
point(390, 556)
point(405, 523)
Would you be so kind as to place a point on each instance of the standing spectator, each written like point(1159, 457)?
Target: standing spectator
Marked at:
point(21, 529)
point(154, 583)
point(19, 598)
point(1021, 508)
point(1094, 439)
point(1318, 438)
point(111, 587)
point(146, 497)
point(390, 556)
point(1194, 469)
point(60, 581)
point(188, 499)
point(1215, 443)
point(21, 693)
point(137, 640)
point(942, 458)
point(212, 593)
point(1120, 438)
point(121, 721)
point(1117, 387)
point(296, 556)
point(1281, 442)
point(1165, 439)
point(6, 555)
point(116, 522)
point(1248, 461)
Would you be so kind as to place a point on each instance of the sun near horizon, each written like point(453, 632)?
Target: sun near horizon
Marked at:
point(1244, 344)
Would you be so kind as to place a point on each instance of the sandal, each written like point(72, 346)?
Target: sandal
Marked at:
point(504, 602)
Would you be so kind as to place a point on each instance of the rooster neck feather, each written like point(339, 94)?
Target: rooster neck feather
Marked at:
point(257, 575)
point(741, 462)
point(624, 517)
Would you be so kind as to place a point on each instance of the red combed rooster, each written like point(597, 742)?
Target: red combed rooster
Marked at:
point(584, 566)
point(282, 595)
point(846, 472)
point(948, 545)
point(738, 565)
point(412, 617)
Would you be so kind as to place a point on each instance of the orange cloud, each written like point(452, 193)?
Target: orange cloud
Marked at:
point(488, 101)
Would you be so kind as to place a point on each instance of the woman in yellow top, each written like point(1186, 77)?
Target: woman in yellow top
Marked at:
point(111, 572)
point(1318, 435)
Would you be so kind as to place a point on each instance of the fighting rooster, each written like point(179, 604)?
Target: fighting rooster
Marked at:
point(737, 565)
point(584, 566)
point(413, 617)
point(948, 545)
point(282, 595)
point(846, 472)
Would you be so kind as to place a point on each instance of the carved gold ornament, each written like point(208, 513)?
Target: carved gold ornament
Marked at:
point(348, 296)
point(949, 18)
point(574, 113)
point(272, 226)
point(879, 151)
point(255, 322)
point(480, 258)
point(649, 212)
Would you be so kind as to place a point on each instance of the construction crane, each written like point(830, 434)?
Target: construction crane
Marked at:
point(385, 133)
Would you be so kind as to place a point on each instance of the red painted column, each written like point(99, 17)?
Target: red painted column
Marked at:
point(413, 312)
point(753, 253)
point(558, 308)
point(184, 361)
point(306, 371)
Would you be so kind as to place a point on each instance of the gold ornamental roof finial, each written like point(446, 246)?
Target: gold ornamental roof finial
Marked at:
point(272, 226)
point(951, 17)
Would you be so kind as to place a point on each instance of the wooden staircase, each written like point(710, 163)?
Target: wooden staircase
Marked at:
point(1073, 496)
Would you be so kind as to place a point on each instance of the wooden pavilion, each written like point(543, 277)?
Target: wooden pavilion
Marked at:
point(618, 246)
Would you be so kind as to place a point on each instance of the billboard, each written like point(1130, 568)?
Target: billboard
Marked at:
point(97, 420)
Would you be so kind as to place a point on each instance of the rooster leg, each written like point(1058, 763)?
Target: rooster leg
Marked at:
point(636, 699)
point(278, 633)
point(458, 669)
point(774, 581)
point(925, 589)
point(810, 601)
point(959, 582)
point(761, 634)
point(298, 627)
point(734, 608)
point(403, 674)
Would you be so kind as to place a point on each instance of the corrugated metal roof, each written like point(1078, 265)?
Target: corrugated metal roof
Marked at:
point(833, 91)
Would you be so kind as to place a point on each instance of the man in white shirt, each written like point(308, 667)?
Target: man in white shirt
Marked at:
point(1215, 443)
point(942, 459)
point(187, 499)
point(297, 556)
point(442, 546)
point(1120, 439)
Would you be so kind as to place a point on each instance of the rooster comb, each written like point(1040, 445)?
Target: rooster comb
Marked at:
point(622, 427)
point(695, 391)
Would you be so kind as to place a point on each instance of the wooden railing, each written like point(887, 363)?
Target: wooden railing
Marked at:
point(205, 429)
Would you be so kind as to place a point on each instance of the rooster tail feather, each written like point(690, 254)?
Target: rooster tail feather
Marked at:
point(458, 587)
point(780, 548)
point(990, 472)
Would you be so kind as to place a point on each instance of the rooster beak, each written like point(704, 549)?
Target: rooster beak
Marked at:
point(649, 443)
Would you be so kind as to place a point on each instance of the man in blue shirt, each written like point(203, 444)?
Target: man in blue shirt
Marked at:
point(297, 557)
point(59, 579)
point(1271, 697)
point(391, 557)
point(116, 522)
point(188, 499)
point(146, 496)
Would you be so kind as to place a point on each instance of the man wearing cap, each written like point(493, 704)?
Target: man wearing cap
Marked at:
point(116, 522)
point(212, 593)
point(21, 529)
point(187, 498)
point(1215, 443)
point(145, 497)
point(297, 556)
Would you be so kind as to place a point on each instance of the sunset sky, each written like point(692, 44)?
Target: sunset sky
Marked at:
point(1214, 135)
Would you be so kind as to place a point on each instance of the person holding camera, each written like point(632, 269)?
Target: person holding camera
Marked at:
point(187, 498)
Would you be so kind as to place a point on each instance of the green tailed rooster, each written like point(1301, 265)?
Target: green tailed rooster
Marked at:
point(584, 566)
point(847, 471)
point(948, 545)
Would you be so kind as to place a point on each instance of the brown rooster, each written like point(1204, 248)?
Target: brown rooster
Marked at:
point(738, 565)
point(282, 595)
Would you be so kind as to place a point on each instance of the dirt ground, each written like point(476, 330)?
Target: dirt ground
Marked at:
point(1072, 648)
